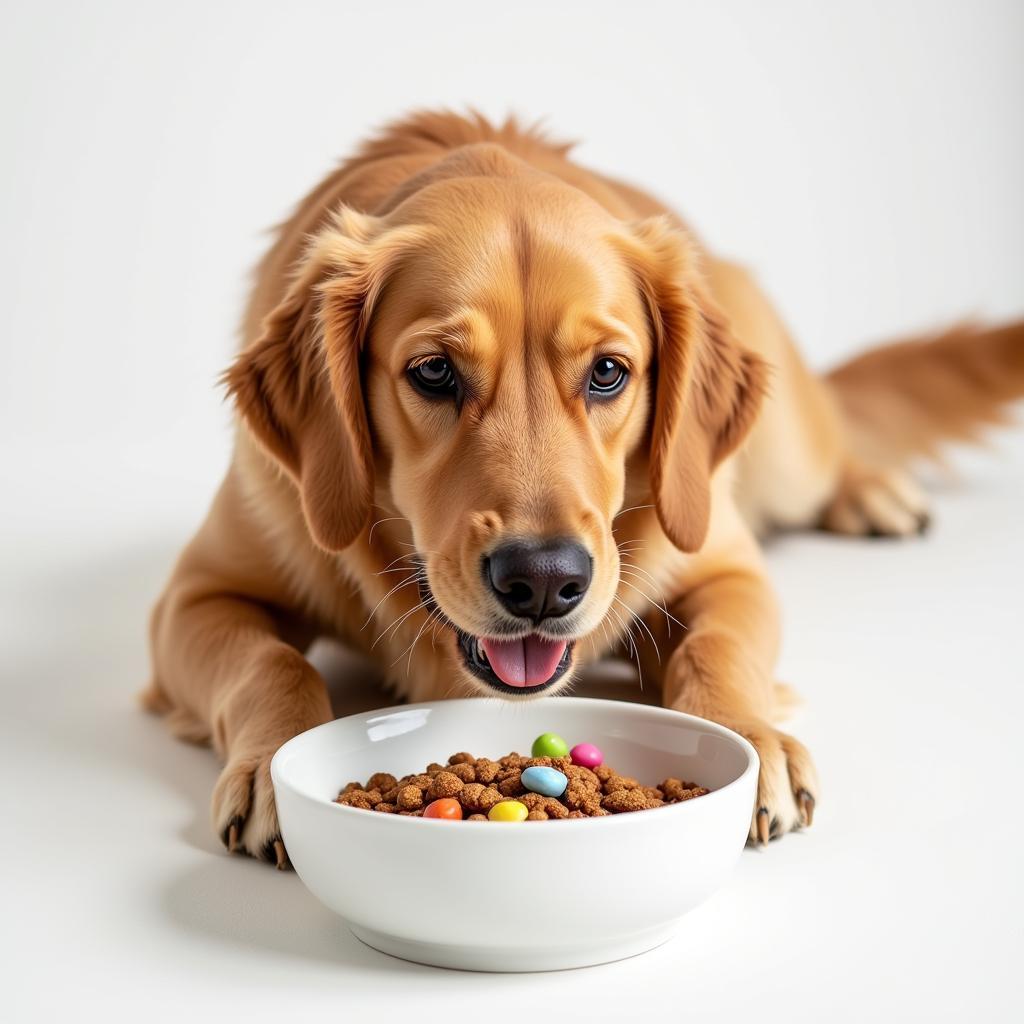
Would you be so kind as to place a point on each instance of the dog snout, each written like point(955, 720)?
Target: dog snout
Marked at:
point(539, 579)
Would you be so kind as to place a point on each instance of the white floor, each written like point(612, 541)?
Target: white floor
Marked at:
point(903, 902)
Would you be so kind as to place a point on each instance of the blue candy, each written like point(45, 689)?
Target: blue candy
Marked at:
point(546, 781)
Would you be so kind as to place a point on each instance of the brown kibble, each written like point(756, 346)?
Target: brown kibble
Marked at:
point(465, 772)
point(489, 797)
point(696, 791)
point(555, 808)
point(512, 784)
point(575, 794)
point(355, 798)
point(444, 784)
point(480, 783)
point(577, 773)
point(622, 800)
point(410, 797)
point(676, 790)
point(671, 788)
point(615, 783)
point(469, 796)
point(581, 797)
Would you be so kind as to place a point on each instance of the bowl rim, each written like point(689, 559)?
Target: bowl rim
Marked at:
point(612, 821)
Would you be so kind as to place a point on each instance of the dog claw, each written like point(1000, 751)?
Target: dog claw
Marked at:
point(232, 834)
point(806, 804)
point(281, 856)
point(763, 826)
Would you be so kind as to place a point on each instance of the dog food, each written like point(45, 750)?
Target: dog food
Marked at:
point(508, 810)
point(446, 807)
point(549, 744)
point(586, 755)
point(576, 784)
point(539, 778)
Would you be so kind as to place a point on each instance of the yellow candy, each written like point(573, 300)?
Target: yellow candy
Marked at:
point(508, 810)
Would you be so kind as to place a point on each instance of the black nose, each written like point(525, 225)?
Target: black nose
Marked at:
point(539, 579)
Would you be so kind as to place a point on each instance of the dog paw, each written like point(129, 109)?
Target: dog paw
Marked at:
point(787, 788)
point(244, 813)
point(874, 503)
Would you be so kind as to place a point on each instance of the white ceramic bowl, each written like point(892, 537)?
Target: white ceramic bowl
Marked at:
point(514, 897)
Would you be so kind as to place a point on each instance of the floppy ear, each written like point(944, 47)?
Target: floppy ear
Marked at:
point(709, 388)
point(298, 385)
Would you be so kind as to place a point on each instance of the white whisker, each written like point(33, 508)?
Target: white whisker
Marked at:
point(415, 577)
point(390, 519)
point(412, 646)
point(659, 605)
point(632, 508)
point(393, 628)
point(643, 625)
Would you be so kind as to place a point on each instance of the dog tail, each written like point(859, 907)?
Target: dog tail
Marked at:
point(901, 401)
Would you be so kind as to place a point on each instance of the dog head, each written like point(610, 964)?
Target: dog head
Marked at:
point(506, 366)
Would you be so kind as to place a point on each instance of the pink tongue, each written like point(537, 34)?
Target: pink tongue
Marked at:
point(528, 661)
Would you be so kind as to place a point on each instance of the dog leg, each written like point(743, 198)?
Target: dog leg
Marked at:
point(875, 503)
point(722, 670)
point(223, 666)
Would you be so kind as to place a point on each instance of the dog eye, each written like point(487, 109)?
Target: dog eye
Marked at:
point(434, 378)
point(607, 377)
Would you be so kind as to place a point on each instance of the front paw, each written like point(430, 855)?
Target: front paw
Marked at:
point(243, 810)
point(787, 788)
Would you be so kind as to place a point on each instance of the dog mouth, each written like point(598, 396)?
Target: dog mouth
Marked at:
point(520, 666)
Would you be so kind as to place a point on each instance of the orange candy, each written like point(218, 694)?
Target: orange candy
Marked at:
point(446, 807)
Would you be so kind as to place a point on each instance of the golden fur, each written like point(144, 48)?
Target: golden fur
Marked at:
point(348, 491)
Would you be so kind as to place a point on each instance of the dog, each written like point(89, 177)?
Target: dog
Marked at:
point(495, 413)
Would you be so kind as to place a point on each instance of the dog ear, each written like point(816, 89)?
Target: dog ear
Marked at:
point(709, 388)
point(298, 386)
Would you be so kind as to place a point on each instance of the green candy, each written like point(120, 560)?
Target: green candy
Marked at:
point(549, 744)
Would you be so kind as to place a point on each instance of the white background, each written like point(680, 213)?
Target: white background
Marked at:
point(865, 158)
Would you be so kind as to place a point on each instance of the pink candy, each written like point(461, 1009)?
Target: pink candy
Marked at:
point(586, 755)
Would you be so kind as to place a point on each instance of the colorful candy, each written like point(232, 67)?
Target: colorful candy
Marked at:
point(586, 755)
point(508, 810)
point(445, 808)
point(549, 744)
point(546, 781)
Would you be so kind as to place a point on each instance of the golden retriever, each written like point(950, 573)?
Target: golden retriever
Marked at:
point(496, 400)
